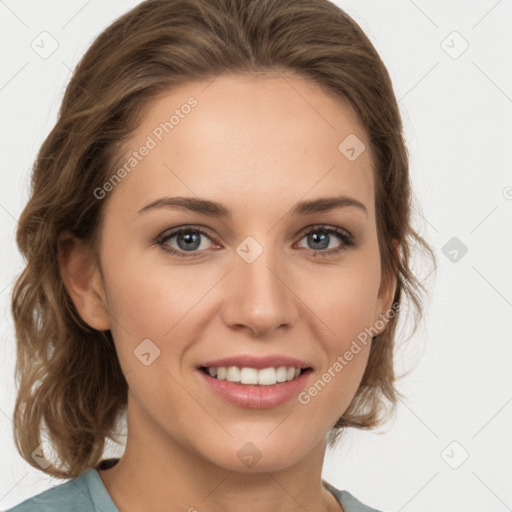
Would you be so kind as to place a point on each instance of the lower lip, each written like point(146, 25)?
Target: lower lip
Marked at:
point(256, 397)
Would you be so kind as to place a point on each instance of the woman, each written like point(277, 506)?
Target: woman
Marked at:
point(217, 246)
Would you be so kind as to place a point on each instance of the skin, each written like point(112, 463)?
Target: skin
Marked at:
point(257, 145)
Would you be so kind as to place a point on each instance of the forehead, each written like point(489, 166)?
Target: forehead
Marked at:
point(245, 137)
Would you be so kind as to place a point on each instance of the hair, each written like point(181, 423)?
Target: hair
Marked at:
point(70, 384)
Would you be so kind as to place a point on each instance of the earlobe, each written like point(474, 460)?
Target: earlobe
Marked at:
point(81, 276)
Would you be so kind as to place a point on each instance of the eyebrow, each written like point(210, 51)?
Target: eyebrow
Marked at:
point(215, 209)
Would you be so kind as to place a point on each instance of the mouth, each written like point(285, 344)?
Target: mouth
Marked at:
point(269, 376)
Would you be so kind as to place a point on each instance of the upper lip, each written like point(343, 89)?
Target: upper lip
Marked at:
point(260, 362)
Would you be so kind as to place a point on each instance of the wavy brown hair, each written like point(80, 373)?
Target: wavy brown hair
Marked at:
point(70, 384)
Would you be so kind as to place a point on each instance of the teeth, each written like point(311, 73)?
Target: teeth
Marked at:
point(267, 376)
point(281, 374)
point(263, 377)
point(249, 376)
point(233, 374)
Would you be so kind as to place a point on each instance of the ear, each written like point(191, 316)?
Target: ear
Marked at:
point(387, 289)
point(82, 279)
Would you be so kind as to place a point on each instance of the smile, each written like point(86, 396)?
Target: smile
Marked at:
point(246, 375)
point(255, 389)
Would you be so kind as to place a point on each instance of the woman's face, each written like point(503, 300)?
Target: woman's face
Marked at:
point(265, 280)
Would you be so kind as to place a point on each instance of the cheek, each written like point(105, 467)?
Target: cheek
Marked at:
point(138, 300)
point(344, 299)
point(344, 302)
point(346, 313)
point(163, 303)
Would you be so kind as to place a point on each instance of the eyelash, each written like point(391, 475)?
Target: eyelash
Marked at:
point(344, 236)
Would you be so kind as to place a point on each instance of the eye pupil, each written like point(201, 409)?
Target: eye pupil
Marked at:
point(322, 238)
point(190, 239)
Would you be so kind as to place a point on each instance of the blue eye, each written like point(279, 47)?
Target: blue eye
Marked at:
point(321, 237)
point(188, 240)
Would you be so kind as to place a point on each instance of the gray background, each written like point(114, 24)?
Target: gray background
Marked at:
point(449, 447)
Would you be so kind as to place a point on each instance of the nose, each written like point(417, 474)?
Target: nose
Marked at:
point(259, 296)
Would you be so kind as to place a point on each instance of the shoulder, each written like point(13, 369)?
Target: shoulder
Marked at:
point(347, 501)
point(77, 495)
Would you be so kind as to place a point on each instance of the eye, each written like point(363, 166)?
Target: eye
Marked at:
point(320, 238)
point(188, 239)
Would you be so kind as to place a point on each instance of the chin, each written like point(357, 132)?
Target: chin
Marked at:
point(261, 452)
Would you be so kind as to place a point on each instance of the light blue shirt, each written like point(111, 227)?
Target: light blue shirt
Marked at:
point(86, 493)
